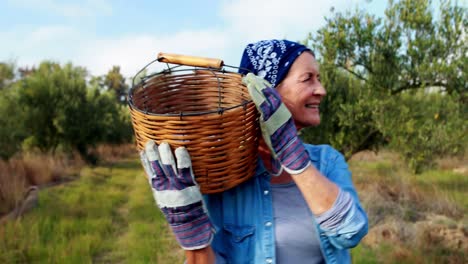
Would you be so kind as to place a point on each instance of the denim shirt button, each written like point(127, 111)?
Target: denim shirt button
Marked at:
point(269, 260)
point(268, 224)
point(266, 192)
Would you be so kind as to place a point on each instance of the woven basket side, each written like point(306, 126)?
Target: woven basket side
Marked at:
point(222, 144)
point(188, 93)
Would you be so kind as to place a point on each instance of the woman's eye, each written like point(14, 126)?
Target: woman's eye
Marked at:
point(306, 78)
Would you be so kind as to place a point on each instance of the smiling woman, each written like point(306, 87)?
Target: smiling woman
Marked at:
point(301, 91)
point(300, 206)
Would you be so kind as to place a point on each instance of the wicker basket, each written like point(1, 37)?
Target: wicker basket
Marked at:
point(204, 108)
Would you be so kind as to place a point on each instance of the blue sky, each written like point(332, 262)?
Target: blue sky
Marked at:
point(98, 34)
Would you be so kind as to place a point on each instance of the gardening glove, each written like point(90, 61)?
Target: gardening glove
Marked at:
point(275, 166)
point(177, 194)
point(277, 125)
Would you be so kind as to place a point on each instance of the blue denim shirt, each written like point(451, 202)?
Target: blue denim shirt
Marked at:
point(243, 216)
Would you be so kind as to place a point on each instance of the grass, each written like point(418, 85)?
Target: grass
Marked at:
point(453, 185)
point(107, 216)
point(413, 218)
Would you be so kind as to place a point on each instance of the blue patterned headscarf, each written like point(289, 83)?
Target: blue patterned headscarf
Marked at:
point(270, 59)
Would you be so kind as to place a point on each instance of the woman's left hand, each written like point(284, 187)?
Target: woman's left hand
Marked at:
point(278, 129)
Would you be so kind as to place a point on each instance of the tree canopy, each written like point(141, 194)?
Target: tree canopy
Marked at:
point(52, 106)
point(384, 76)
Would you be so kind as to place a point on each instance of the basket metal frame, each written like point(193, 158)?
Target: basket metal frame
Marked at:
point(173, 69)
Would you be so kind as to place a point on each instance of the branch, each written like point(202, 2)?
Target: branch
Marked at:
point(369, 69)
point(359, 76)
point(364, 144)
point(409, 86)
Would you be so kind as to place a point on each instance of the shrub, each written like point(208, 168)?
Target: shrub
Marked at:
point(424, 126)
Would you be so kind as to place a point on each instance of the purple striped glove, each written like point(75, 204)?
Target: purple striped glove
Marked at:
point(278, 129)
point(177, 194)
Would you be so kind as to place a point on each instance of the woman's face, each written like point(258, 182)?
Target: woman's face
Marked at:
point(301, 91)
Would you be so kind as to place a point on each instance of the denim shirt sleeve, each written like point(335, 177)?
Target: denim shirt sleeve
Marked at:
point(354, 224)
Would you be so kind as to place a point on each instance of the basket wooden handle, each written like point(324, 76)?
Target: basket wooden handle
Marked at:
point(190, 60)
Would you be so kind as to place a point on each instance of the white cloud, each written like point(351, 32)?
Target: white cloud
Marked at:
point(263, 19)
point(30, 47)
point(81, 9)
point(135, 51)
point(50, 34)
point(245, 21)
point(98, 55)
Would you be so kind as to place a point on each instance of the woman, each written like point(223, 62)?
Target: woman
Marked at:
point(300, 207)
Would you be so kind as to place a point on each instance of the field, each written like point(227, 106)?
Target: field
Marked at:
point(413, 218)
point(107, 215)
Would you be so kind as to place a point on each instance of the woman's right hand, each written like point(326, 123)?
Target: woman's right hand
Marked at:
point(177, 194)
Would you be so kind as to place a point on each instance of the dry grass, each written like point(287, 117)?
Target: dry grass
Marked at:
point(386, 187)
point(27, 169)
point(457, 164)
point(114, 153)
point(12, 184)
point(412, 218)
point(436, 239)
point(42, 169)
point(22, 171)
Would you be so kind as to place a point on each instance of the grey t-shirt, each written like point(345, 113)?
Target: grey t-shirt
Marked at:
point(295, 231)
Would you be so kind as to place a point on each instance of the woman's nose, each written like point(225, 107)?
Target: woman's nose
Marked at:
point(320, 90)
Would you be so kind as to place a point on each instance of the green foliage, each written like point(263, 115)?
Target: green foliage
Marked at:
point(52, 107)
point(112, 121)
point(10, 136)
point(368, 63)
point(7, 74)
point(409, 49)
point(54, 99)
point(114, 81)
point(424, 126)
point(11, 133)
point(348, 111)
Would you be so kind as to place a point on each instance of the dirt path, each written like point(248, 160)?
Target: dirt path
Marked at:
point(141, 233)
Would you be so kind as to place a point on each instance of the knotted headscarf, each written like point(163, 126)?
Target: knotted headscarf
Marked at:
point(270, 59)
